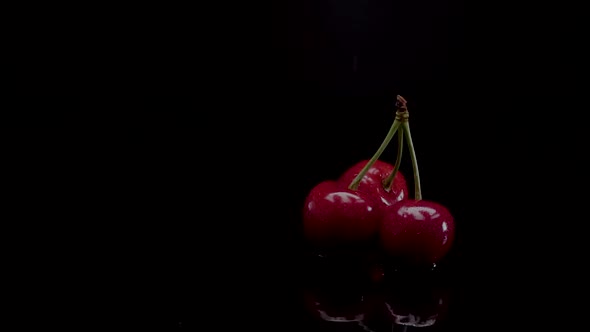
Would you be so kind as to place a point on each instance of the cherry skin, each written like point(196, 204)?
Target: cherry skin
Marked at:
point(417, 232)
point(372, 182)
point(334, 215)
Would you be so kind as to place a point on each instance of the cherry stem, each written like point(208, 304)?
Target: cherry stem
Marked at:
point(388, 183)
point(403, 115)
point(357, 180)
point(417, 189)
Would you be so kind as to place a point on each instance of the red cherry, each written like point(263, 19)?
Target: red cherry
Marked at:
point(372, 182)
point(417, 232)
point(334, 215)
point(338, 213)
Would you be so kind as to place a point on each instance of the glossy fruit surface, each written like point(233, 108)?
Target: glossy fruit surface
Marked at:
point(417, 232)
point(334, 215)
point(372, 182)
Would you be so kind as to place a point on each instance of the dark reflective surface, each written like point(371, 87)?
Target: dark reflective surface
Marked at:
point(341, 296)
point(344, 294)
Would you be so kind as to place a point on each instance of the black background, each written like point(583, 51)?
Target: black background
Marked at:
point(161, 182)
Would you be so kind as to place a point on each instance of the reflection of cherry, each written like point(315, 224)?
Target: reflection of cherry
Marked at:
point(338, 309)
point(341, 305)
point(339, 289)
point(415, 299)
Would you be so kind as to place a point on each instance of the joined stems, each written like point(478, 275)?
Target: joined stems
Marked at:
point(392, 130)
point(401, 122)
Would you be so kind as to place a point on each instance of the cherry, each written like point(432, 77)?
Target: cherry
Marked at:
point(335, 216)
point(344, 212)
point(374, 181)
point(369, 201)
point(415, 231)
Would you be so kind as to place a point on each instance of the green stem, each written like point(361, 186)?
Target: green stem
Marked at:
point(357, 180)
point(388, 183)
point(417, 189)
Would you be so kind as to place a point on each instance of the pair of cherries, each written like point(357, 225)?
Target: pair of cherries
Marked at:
point(370, 203)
